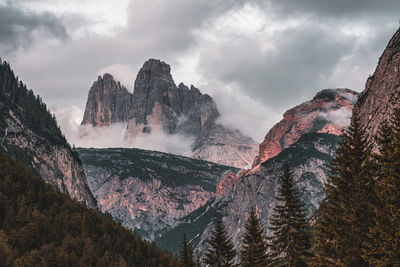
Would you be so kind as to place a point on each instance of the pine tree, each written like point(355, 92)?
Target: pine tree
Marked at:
point(220, 252)
point(290, 242)
point(254, 248)
point(186, 253)
point(346, 214)
point(383, 244)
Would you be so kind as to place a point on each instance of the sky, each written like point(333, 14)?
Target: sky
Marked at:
point(257, 59)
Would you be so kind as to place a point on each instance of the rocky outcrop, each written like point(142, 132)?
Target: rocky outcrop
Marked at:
point(29, 133)
point(328, 112)
point(382, 90)
point(159, 105)
point(108, 102)
point(226, 184)
point(150, 191)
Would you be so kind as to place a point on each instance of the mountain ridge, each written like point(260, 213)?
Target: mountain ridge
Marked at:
point(30, 134)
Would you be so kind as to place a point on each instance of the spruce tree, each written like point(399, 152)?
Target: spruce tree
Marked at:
point(346, 214)
point(383, 245)
point(220, 251)
point(254, 248)
point(186, 253)
point(289, 245)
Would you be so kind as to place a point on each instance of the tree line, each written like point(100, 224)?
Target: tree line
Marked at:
point(358, 224)
point(40, 226)
point(16, 97)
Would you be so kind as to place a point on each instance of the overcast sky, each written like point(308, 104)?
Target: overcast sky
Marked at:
point(256, 58)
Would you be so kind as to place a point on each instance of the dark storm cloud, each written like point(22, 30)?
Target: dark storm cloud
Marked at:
point(17, 27)
point(305, 55)
point(308, 56)
point(313, 54)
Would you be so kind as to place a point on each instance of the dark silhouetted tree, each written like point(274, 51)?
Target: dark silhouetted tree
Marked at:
point(346, 214)
point(186, 253)
point(254, 247)
point(220, 251)
point(290, 241)
point(383, 245)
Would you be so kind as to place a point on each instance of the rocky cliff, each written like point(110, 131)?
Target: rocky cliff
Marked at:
point(108, 102)
point(150, 191)
point(328, 112)
point(29, 133)
point(159, 106)
point(382, 90)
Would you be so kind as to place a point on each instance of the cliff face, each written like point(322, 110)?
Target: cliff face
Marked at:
point(382, 90)
point(158, 105)
point(149, 191)
point(28, 133)
point(108, 102)
point(328, 112)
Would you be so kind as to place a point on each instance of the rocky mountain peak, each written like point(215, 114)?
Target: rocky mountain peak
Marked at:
point(328, 112)
point(382, 90)
point(108, 102)
point(159, 105)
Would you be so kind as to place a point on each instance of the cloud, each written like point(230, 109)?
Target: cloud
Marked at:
point(274, 54)
point(69, 119)
point(18, 27)
point(340, 116)
point(241, 112)
point(285, 60)
point(161, 141)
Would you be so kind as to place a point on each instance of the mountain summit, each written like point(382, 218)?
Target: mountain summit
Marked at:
point(328, 112)
point(108, 102)
point(158, 105)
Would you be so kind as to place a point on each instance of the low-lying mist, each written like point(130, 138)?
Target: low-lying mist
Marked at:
point(114, 136)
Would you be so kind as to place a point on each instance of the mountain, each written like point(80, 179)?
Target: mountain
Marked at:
point(328, 112)
point(382, 90)
point(42, 227)
point(309, 135)
point(162, 195)
point(108, 102)
point(150, 191)
point(159, 106)
point(29, 133)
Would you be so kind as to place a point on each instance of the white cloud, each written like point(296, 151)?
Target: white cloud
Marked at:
point(160, 141)
point(340, 116)
point(241, 112)
point(70, 118)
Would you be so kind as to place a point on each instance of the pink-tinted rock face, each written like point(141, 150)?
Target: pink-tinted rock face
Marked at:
point(382, 90)
point(328, 112)
point(108, 102)
point(226, 184)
